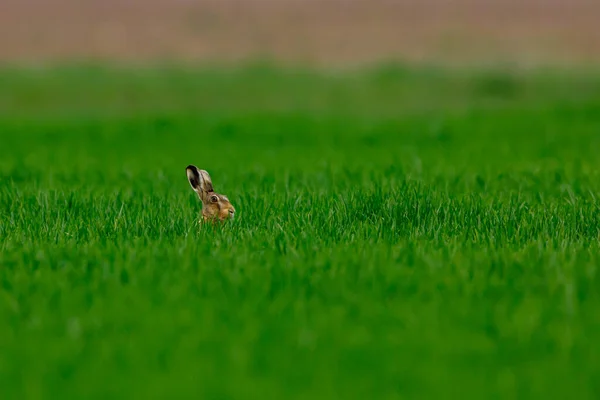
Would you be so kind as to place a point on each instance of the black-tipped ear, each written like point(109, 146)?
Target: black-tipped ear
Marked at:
point(199, 179)
point(193, 175)
point(205, 181)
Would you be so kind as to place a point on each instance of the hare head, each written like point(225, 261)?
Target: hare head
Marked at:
point(215, 206)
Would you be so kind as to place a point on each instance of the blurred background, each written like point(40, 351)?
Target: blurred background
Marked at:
point(317, 32)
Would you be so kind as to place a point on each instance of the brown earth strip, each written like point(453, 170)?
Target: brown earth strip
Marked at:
point(326, 32)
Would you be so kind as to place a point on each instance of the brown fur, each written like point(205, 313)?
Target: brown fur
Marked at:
point(215, 206)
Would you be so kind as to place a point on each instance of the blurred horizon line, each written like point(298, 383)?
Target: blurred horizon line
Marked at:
point(315, 33)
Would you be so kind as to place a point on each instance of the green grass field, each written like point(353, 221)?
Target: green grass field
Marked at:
point(401, 233)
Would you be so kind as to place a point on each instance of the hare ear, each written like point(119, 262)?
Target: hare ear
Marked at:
point(193, 175)
point(199, 179)
point(207, 185)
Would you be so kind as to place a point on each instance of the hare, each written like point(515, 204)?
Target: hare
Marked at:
point(214, 206)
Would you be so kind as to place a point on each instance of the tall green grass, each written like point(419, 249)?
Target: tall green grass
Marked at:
point(400, 234)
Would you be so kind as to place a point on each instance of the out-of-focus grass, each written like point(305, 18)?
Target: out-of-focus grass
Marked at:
point(401, 233)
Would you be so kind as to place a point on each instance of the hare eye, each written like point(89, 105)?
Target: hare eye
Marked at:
point(214, 198)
